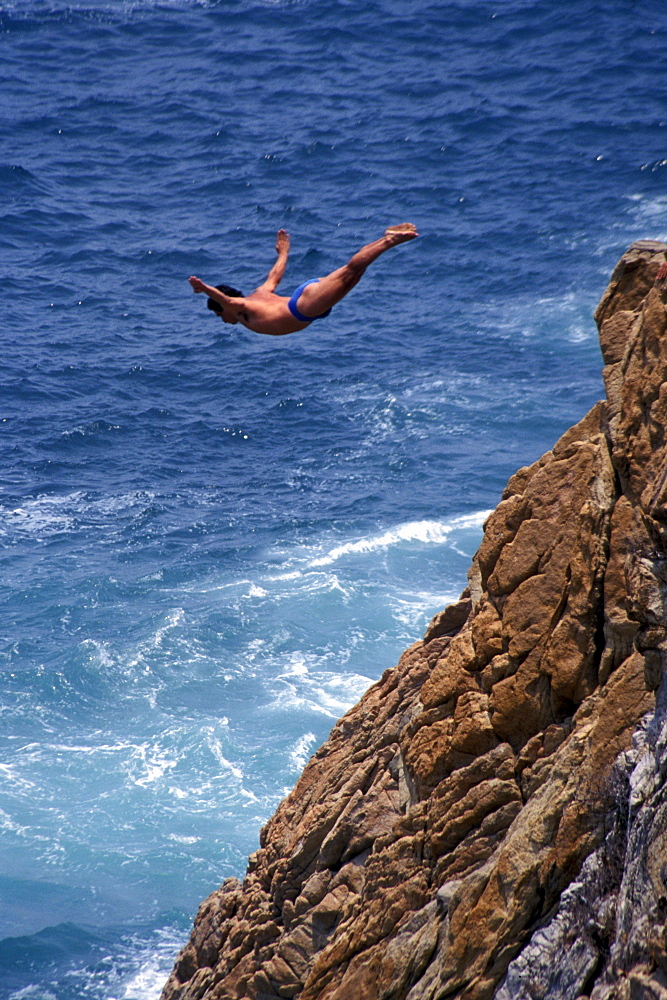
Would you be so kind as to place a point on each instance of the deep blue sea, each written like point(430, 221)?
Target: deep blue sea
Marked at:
point(214, 541)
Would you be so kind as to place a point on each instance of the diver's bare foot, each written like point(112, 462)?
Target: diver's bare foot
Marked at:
point(402, 232)
point(282, 241)
point(662, 274)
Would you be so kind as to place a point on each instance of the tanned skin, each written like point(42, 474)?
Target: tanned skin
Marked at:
point(263, 311)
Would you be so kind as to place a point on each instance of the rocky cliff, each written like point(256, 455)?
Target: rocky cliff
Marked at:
point(491, 819)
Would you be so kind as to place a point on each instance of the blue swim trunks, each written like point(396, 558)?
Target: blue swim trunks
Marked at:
point(293, 308)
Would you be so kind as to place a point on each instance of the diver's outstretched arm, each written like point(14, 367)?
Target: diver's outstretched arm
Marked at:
point(275, 275)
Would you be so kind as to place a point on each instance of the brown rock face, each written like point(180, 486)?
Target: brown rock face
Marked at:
point(441, 822)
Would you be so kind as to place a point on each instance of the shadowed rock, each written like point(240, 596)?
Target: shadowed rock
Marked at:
point(439, 842)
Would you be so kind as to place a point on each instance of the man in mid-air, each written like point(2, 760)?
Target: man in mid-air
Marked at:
point(266, 312)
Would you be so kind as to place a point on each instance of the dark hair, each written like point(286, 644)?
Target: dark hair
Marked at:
point(226, 290)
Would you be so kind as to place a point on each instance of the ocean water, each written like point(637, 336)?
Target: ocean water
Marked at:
point(213, 541)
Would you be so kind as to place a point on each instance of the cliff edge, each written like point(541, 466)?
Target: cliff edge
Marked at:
point(490, 820)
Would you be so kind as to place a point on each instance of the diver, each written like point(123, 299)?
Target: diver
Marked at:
point(263, 311)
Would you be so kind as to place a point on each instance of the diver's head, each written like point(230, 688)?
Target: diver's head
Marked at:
point(219, 310)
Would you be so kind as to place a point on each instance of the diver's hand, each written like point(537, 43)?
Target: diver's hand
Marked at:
point(197, 284)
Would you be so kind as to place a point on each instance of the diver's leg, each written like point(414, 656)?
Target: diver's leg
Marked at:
point(317, 298)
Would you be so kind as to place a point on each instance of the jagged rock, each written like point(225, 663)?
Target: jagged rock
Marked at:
point(462, 832)
point(451, 620)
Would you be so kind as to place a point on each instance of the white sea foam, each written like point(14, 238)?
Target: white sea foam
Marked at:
point(303, 563)
point(301, 751)
point(556, 317)
point(32, 992)
point(99, 652)
point(8, 824)
point(41, 517)
point(46, 515)
point(175, 618)
point(135, 969)
point(327, 694)
point(215, 747)
point(409, 612)
point(424, 532)
point(296, 665)
point(154, 762)
point(292, 575)
point(652, 212)
point(178, 793)
point(153, 962)
point(9, 775)
point(137, 664)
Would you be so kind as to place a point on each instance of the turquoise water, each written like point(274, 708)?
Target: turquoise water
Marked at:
point(212, 541)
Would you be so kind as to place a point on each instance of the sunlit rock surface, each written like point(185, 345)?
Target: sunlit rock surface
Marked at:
point(490, 819)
